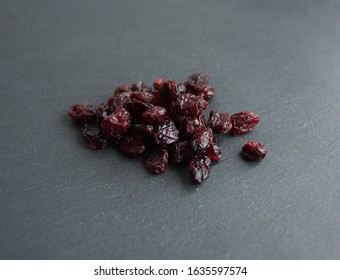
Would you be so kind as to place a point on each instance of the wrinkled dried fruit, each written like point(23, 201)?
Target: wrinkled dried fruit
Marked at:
point(142, 130)
point(200, 168)
point(93, 137)
point(157, 84)
point(143, 96)
point(157, 162)
point(82, 113)
point(103, 111)
point(243, 122)
point(189, 105)
point(208, 92)
point(214, 152)
point(140, 86)
point(166, 133)
point(180, 151)
point(132, 145)
point(168, 91)
point(254, 151)
point(155, 114)
point(198, 81)
point(219, 123)
point(116, 124)
point(201, 140)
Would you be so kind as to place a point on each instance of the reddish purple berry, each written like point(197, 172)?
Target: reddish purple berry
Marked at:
point(142, 130)
point(146, 97)
point(243, 122)
point(208, 92)
point(158, 83)
point(219, 123)
point(198, 81)
point(214, 152)
point(254, 151)
point(123, 88)
point(189, 105)
point(157, 162)
point(200, 168)
point(140, 86)
point(93, 137)
point(155, 114)
point(180, 151)
point(166, 133)
point(201, 140)
point(116, 124)
point(82, 113)
point(168, 91)
point(132, 145)
point(103, 111)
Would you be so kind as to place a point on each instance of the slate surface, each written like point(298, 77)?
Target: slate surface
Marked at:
point(59, 200)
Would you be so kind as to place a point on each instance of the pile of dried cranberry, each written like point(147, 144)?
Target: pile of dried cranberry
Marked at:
point(166, 123)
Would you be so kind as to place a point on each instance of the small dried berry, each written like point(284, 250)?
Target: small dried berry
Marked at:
point(117, 100)
point(166, 133)
point(157, 84)
point(198, 81)
point(200, 168)
point(142, 130)
point(180, 151)
point(157, 162)
point(82, 113)
point(168, 91)
point(116, 124)
point(103, 111)
point(201, 140)
point(254, 151)
point(146, 97)
point(243, 122)
point(155, 114)
point(132, 145)
point(214, 152)
point(140, 86)
point(189, 105)
point(208, 92)
point(123, 88)
point(93, 137)
point(219, 123)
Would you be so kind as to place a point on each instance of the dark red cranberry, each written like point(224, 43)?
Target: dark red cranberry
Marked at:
point(189, 105)
point(146, 97)
point(155, 114)
point(198, 81)
point(117, 100)
point(157, 84)
point(201, 140)
point(132, 145)
point(254, 151)
point(200, 168)
point(159, 101)
point(208, 92)
point(168, 91)
point(180, 151)
point(166, 133)
point(157, 162)
point(137, 108)
point(219, 123)
point(93, 137)
point(142, 130)
point(140, 86)
point(116, 124)
point(103, 111)
point(214, 152)
point(243, 122)
point(181, 89)
point(121, 89)
point(82, 113)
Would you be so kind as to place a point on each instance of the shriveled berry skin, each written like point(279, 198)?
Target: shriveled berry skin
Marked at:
point(132, 145)
point(254, 151)
point(157, 84)
point(214, 152)
point(82, 113)
point(137, 108)
point(103, 111)
point(155, 114)
point(198, 81)
point(180, 151)
point(140, 86)
point(189, 105)
point(219, 123)
point(116, 124)
point(201, 140)
point(208, 92)
point(200, 168)
point(143, 96)
point(142, 130)
point(93, 137)
point(120, 99)
point(166, 133)
point(157, 162)
point(121, 89)
point(243, 122)
point(168, 91)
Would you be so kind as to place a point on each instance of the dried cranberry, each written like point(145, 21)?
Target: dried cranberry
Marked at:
point(137, 108)
point(116, 124)
point(140, 86)
point(243, 122)
point(123, 88)
point(117, 100)
point(201, 140)
point(189, 105)
point(200, 168)
point(181, 89)
point(219, 123)
point(198, 81)
point(93, 137)
point(180, 151)
point(168, 90)
point(103, 111)
point(166, 133)
point(254, 151)
point(157, 162)
point(82, 113)
point(142, 130)
point(146, 97)
point(214, 152)
point(155, 114)
point(157, 84)
point(208, 92)
point(132, 145)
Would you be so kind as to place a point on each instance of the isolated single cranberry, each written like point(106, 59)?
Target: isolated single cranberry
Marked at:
point(165, 133)
point(254, 151)
point(200, 168)
point(198, 81)
point(157, 162)
point(82, 113)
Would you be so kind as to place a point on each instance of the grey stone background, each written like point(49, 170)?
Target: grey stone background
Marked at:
point(59, 200)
